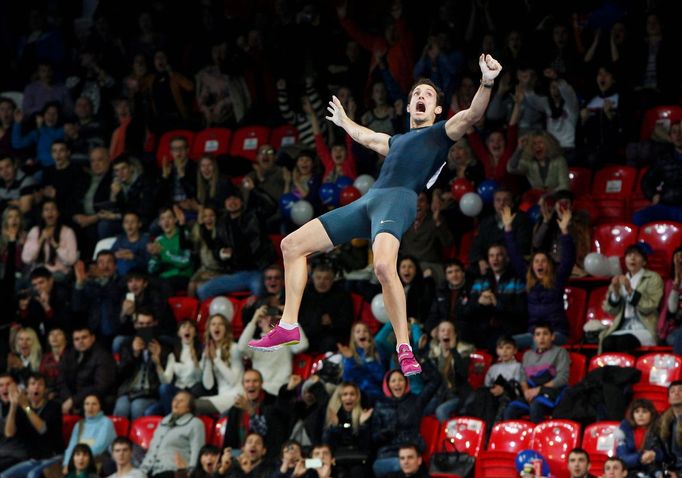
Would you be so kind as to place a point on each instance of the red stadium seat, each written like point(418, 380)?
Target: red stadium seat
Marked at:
point(594, 306)
point(611, 358)
point(465, 243)
point(357, 305)
point(276, 240)
point(163, 149)
point(302, 364)
point(575, 304)
point(613, 239)
point(580, 180)
point(208, 426)
point(600, 442)
point(659, 115)
point(611, 191)
point(247, 140)
point(554, 439)
point(479, 363)
point(511, 436)
point(577, 369)
point(121, 425)
point(211, 141)
point(639, 201)
point(184, 307)
point(218, 436)
point(664, 238)
point(68, 422)
point(659, 369)
point(655, 394)
point(464, 435)
point(282, 136)
point(142, 430)
point(428, 429)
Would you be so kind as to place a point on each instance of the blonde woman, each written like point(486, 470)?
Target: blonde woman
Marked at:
point(221, 368)
point(361, 361)
point(212, 188)
point(540, 158)
point(26, 354)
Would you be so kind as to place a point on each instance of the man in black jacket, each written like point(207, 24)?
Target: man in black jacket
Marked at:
point(451, 300)
point(178, 184)
point(243, 250)
point(131, 190)
point(255, 411)
point(65, 182)
point(46, 306)
point(86, 368)
point(410, 463)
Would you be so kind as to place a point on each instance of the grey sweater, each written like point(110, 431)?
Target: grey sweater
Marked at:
point(186, 437)
point(554, 360)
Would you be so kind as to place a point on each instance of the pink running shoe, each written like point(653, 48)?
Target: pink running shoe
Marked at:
point(275, 339)
point(408, 363)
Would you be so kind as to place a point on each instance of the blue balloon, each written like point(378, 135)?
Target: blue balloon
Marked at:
point(286, 202)
point(527, 456)
point(534, 213)
point(343, 181)
point(487, 190)
point(329, 194)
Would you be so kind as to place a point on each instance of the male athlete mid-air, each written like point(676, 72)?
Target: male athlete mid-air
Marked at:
point(384, 213)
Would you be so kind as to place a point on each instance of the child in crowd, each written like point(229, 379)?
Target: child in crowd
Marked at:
point(638, 443)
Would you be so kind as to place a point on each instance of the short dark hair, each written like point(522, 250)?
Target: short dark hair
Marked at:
point(137, 273)
point(60, 141)
point(321, 445)
point(123, 158)
point(496, 245)
point(579, 451)
point(208, 450)
point(4, 99)
point(52, 104)
point(637, 248)
point(440, 96)
point(409, 446)
point(105, 252)
point(40, 272)
point(253, 432)
point(165, 209)
point(147, 311)
point(543, 325)
point(179, 138)
point(615, 458)
point(453, 262)
point(674, 383)
point(82, 327)
point(122, 440)
point(505, 340)
point(36, 376)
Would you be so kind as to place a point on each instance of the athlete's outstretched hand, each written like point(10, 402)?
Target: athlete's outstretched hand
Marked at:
point(338, 115)
point(490, 67)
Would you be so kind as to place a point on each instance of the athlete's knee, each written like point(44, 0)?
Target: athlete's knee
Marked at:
point(384, 270)
point(291, 247)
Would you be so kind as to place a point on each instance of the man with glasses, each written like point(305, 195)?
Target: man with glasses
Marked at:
point(179, 176)
point(267, 176)
point(273, 287)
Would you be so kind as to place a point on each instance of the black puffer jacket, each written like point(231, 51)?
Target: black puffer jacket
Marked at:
point(665, 178)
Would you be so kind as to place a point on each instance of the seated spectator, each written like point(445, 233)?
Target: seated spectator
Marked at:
point(46, 132)
point(545, 281)
point(44, 90)
point(290, 456)
point(16, 187)
point(7, 109)
point(24, 359)
point(95, 429)
point(303, 180)
point(170, 252)
point(540, 159)
point(419, 287)
point(546, 369)
point(140, 359)
point(204, 235)
point(178, 185)
point(98, 296)
point(267, 175)
point(242, 250)
point(638, 444)
point(179, 433)
point(12, 450)
point(131, 190)
point(273, 292)
point(396, 417)
point(301, 120)
point(37, 424)
point(326, 311)
point(427, 237)
point(547, 235)
point(254, 411)
point(381, 115)
point(633, 301)
point(453, 367)
point(347, 430)
point(668, 427)
point(130, 248)
point(325, 455)
point(307, 415)
point(362, 364)
point(181, 371)
point(276, 365)
point(340, 161)
point(662, 183)
point(615, 468)
point(212, 188)
point(221, 368)
point(122, 453)
point(88, 132)
point(47, 305)
point(166, 88)
point(461, 164)
point(82, 463)
point(497, 304)
point(491, 231)
point(253, 461)
point(51, 244)
point(49, 365)
point(450, 300)
point(205, 467)
point(410, 463)
point(87, 368)
point(579, 464)
point(65, 181)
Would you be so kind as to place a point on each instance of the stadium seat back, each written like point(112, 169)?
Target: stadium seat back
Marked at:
point(121, 425)
point(511, 436)
point(600, 442)
point(142, 430)
point(208, 426)
point(659, 115)
point(654, 393)
point(575, 304)
point(218, 436)
point(611, 191)
point(659, 369)
point(577, 369)
point(283, 136)
point(479, 363)
point(594, 306)
point(428, 429)
point(663, 237)
point(302, 365)
point(184, 308)
point(614, 359)
point(554, 439)
point(580, 180)
point(613, 239)
point(462, 434)
point(211, 141)
point(68, 422)
point(247, 140)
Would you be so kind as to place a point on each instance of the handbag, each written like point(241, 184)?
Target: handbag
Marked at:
point(451, 462)
point(350, 456)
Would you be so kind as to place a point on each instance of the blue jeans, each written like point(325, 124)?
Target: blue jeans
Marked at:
point(657, 212)
point(132, 409)
point(674, 339)
point(30, 468)
point(224, 284)
point(443, 410)
point(386, 466)
point(538, 411)
point(525, 341)
point(163, 407)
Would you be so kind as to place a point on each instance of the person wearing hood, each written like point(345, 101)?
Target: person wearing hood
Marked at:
point(396, 417)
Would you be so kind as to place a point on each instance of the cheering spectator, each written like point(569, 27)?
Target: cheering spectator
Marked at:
point(251, 463)
point(341, 161)
point(267, 175)
point(47, 305)
point(65, 182)
point(205, 467)
point(450, 300)
point(132, 191)
point(44, 91)
point(130, 248)
point(310, 101)
point(204, 236)
point(82, 463)
point(381, 115)
point(212, 188)
point(419, 288)
point(362, 364)
point(46, 132)
point(170, 252)
point(178, 183)
point(166, 90)
point(540, 159)
point(24, 359)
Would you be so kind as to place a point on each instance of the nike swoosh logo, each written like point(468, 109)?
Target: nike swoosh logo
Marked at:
point(384, 221)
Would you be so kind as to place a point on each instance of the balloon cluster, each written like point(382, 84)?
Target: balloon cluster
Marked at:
point(472, 199)
point(599, 265)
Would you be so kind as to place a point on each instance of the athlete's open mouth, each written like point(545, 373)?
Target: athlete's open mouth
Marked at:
point(421, 107)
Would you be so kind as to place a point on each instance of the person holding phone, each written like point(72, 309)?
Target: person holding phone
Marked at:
point(252, 462)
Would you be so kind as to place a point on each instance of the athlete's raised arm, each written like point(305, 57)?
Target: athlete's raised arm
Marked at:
point(458, 125)
point(369, 139)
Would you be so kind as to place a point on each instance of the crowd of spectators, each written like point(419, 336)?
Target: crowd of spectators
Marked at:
point(90, 88)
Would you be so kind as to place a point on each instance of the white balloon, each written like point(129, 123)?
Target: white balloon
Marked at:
point(378, 308)
point(221, 306)
point(614, 266)
point(363, 183)
point(301, 212)
point(597, 264)
point(471, 204)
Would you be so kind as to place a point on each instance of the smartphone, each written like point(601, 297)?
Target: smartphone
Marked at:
point(131, 297)
point(274, 311)
point(313, 463)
